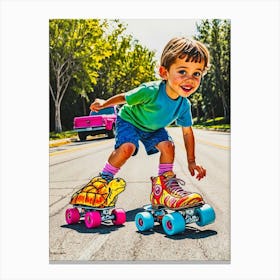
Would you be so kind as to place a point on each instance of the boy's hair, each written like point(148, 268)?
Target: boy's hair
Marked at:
point(181, 47)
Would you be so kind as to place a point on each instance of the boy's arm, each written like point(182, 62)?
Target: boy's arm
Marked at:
point(189, 142)
point(99, 104)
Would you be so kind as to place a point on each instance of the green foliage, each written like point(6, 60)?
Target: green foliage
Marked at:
point(215, 89)
point(129, 65)
point(76, 49)
point(92, 58)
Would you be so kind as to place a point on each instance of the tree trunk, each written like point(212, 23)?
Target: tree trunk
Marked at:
point(57, 95)
point(84, 106)
point(58, 126)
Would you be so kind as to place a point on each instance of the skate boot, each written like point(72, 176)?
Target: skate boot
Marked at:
point(167, 192)
point(115, 186)
point(99, 193)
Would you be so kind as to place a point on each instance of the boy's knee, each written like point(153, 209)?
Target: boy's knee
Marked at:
point(166, 147)
point(127, 149)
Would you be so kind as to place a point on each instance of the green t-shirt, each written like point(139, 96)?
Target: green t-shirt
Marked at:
point(150, 108)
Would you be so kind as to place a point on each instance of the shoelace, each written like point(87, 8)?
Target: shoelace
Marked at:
point(173, 184)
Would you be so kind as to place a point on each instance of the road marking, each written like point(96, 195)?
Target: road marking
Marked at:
point(77, 148)
point(94, 247)
point(213, 144)
point(207, 143)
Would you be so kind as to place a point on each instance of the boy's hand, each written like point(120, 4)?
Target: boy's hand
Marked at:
point(193, 168)
point(97, 105)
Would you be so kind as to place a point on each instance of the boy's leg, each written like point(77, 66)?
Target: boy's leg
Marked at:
point(110, 188)
point(119, 156)
point(126, 145)
point(167, 154)
point(166, 189)
point(117, 159)
point(111, 168)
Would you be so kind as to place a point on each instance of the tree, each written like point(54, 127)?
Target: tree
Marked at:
point(215, 90)
point(89, 59)
point(129, 64)
point(76, 49)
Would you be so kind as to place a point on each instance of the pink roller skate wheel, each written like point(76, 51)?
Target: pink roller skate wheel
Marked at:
point(169, 225)
point(92, 219)
point(72, 216)
point(120, 216)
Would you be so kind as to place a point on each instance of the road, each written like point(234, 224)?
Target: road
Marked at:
point(72, 165)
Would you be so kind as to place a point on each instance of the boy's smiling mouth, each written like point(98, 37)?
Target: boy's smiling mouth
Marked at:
point(187, 88)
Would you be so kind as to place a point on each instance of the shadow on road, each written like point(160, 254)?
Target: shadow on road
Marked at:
point(105, 228)
point(193, 233)
point(189, 233)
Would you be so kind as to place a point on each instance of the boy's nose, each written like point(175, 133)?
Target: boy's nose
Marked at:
point(188, 78)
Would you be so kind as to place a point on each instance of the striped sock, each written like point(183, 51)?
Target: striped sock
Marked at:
point(109, 171)
point(163, 167)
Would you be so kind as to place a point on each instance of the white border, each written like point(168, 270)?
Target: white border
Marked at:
point(255, 137)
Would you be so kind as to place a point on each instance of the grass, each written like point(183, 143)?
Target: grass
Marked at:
point(63, 134)
point(218, 123)
point(222, 127)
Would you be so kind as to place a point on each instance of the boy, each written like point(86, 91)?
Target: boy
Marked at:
point(148, 110)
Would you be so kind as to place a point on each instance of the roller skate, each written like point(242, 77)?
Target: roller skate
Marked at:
point(173, 207)
point(95, 202)
point(167, 192)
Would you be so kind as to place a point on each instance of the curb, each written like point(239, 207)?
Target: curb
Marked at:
point(60, 142)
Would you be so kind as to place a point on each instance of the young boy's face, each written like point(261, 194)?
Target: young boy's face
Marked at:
point(183, 78)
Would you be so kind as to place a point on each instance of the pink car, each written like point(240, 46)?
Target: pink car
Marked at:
point(102, 122)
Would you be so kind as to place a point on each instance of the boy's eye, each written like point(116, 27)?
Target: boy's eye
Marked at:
point(182, 72)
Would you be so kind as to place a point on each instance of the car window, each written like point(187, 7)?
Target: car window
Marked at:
point(105, 111)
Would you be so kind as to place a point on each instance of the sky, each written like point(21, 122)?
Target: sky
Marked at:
point(155, 33)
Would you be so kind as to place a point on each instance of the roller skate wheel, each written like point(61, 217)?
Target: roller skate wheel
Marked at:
point(206, 215)
point(144, 221)
point(92, 219)
point(72, 216)
point(120, 216)
point(173, 223)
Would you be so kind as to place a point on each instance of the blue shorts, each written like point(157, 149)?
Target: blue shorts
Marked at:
point(128, 133)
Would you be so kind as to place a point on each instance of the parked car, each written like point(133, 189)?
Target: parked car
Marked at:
point(102, 122)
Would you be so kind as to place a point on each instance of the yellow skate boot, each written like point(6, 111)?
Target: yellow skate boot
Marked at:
point(99, 193)
point(116, 186)
point(167, 192)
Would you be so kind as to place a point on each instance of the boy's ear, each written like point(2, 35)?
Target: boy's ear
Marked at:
point(163, 72)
